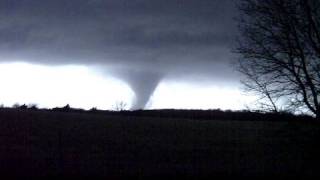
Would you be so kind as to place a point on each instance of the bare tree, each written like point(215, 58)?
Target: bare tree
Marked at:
point(266, 101)
point(280, 51)
point(120, 106)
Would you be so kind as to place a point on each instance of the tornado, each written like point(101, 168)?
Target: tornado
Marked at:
point(142, 83)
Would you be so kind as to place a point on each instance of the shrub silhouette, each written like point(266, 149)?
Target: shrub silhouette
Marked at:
point(94, 109)
point(66, 108)
point(33, 106)
point(24, 106)
point(16, 105)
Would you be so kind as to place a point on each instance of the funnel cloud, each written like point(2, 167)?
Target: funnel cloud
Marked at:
point(143, 85)
point(148, 40)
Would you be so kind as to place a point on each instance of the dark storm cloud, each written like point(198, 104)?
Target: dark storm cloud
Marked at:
point(168, 37)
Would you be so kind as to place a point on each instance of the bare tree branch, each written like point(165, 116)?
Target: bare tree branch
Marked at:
point(280, 52)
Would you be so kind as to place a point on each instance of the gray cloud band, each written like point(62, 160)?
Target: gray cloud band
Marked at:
point(142, 40)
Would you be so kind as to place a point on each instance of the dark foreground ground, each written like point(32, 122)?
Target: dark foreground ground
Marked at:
point(37, 143)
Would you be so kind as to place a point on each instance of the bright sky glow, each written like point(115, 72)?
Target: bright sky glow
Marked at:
point(58, 86)
point(81, 87)
point(187, 96)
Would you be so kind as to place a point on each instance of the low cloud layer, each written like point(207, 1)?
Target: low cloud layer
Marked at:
point(155, 39)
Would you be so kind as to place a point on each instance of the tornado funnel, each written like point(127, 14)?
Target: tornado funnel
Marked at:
point(142, 83)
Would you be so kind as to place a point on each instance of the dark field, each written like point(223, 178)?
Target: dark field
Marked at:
point(73, 144)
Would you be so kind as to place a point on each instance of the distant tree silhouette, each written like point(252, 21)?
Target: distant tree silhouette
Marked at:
point(120, 106)
point(16, 105)
point(94, 109)
point(280, 52)
point(32, 106)
point(24, 106)
point(65, 108)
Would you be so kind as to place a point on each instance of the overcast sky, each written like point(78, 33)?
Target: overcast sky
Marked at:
point(143, 43)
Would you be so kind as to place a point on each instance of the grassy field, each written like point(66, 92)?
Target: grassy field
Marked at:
point(43, 143)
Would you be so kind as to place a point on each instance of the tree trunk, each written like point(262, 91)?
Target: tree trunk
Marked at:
point(318, 115)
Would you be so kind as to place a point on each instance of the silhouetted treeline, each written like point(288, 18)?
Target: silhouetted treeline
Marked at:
point(217, 114)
